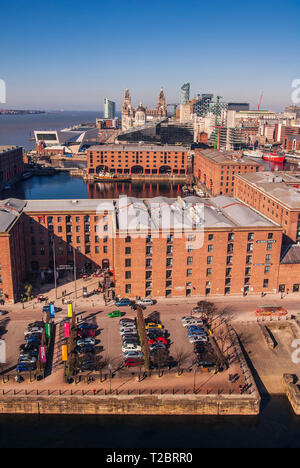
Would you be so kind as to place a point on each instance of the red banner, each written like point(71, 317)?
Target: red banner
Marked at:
point(67, 330)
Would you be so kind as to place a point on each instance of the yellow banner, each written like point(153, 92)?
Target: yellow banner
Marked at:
point(70, 310)
point(64, 350)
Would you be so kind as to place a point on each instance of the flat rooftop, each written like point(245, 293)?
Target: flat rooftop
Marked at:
point(226, 157)
point(10, 210)
point(135, 214)
point(138, 147)
point(161, 213)
point(68, 206)
point(281, 186)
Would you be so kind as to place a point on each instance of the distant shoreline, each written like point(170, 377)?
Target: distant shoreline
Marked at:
point(20, 112)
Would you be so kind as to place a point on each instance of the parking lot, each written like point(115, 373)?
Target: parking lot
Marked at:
point(109, 349)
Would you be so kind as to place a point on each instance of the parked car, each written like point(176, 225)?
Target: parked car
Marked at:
point(86, 341)
point(34, 339)
point(194, 321)
point(131, 342)
point(26, 358)
point(162, 340)
point(30, 353)
point(131, 347)
point(198, 338)
point(153, 325)
point(196, 329)
point(156, 346)
point(85, 333)
point(28, 347)
point(126, 320)
point(87, 326)
point(186, 319)
point(38, 324)
point(88, 348)
point(133, 354)
point(123, 302)
point(145, 302)
point(156, 332)
point(133, 362)
point(152, 320)
point(115, 313)
point(128, 337)
point(199, 348)
point(128, 326)
point(25, 367)
point(34, 330)
point(127, 330)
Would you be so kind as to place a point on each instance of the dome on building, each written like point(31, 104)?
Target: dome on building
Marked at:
point(141, 108)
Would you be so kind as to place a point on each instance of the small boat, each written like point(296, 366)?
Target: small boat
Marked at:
point(253, 154)
point(108, 177)
point(27, 175)
point(274, 158)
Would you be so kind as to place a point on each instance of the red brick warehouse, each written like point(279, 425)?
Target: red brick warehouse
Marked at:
point(138, 159)
point(217, 169)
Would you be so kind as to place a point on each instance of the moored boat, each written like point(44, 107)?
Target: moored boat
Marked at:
point(273, 157)
point(253, 154)
point(108, 177)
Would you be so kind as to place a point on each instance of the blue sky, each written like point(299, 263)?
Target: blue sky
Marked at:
point(71, 54)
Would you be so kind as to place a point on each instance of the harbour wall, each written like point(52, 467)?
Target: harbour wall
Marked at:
point(240, 405)
point(291, 386)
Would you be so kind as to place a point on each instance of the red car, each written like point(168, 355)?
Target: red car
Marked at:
point(133, 362)
point(85, 333)
point(159, 339)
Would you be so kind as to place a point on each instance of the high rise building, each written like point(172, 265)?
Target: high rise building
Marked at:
point(109, 109)
point(185, 93)
point(202, 105)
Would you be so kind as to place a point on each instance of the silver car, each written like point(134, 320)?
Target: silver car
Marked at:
point(133, 354)
point(127, 330)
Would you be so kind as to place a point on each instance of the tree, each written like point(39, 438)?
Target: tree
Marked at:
point(159, 359)
point(143, 338)
point(208, 310)
point(181, 357)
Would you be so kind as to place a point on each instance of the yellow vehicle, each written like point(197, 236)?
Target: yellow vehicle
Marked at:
point(153, 325)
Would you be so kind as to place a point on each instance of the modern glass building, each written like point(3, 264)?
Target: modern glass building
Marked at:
point(185, 93)
point(109, 109)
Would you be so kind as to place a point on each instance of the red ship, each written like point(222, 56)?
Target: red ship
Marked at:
point(274, 158)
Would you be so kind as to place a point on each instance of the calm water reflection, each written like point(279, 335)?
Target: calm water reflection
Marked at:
point(62, 186)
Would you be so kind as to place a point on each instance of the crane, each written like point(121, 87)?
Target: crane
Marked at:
point(260, 100)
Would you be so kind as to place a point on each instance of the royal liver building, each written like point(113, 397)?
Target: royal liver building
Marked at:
point(141, 115)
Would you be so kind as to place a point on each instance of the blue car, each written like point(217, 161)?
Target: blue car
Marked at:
point(33, 341)
point(26, 367)
point(87, 326)
point(193, 328)
point(123, 302)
